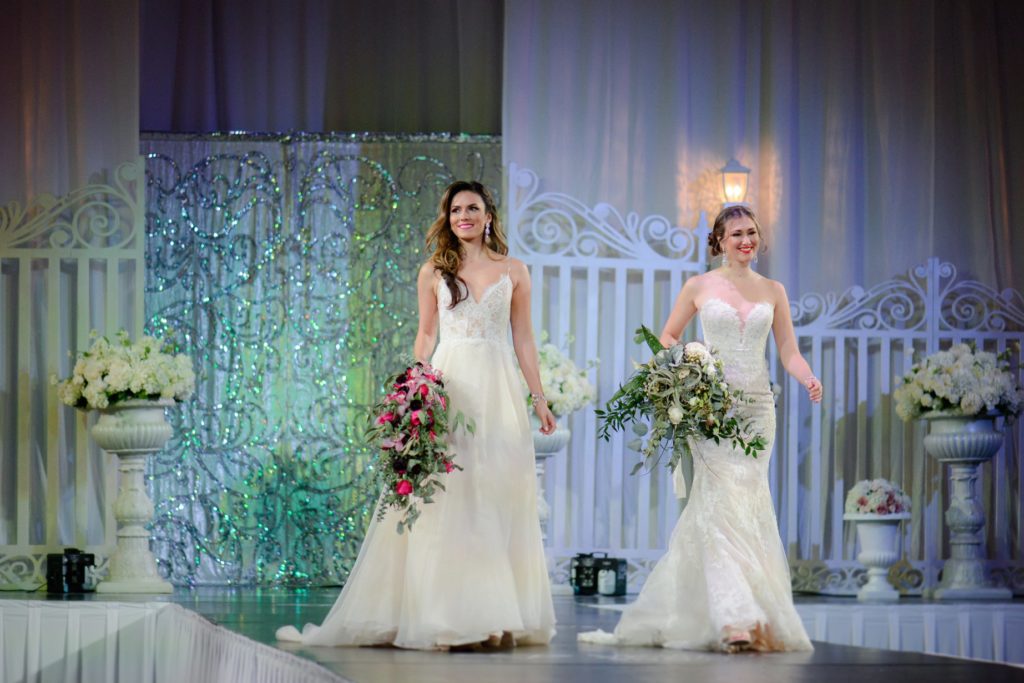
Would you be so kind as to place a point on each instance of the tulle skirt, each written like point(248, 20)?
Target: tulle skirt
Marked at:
point(473, 565)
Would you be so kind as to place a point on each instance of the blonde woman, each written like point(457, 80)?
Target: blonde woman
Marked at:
point(724, 582)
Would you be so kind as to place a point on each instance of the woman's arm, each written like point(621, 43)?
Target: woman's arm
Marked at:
point(426, 334)
point(789, 350)
point(525, 345)
point(682, 313)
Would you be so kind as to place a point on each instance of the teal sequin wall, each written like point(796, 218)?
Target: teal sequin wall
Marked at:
point(286, 267)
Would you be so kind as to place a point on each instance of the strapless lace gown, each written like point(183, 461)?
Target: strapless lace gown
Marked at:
point(725, 566)
point(473, 565)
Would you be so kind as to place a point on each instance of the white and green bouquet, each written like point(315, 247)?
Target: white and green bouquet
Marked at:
point(566, 385)
point(683, 393)
point(961, 381)
point(114, 371)
point(876, 497)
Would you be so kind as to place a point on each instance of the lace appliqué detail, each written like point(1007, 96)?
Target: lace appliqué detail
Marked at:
point(739, 342)
point(486, 320)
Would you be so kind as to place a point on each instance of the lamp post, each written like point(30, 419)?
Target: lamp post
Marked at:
point(735, 178)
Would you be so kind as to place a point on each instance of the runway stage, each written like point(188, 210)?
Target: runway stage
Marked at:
point(143, 638)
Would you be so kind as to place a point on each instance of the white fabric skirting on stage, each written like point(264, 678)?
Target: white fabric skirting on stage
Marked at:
point(979, 630)
point(143, 642)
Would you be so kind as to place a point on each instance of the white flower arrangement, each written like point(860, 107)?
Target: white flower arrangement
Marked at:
point(876, 497)
point(960, 381)
point(566, 386)
point(111, 372)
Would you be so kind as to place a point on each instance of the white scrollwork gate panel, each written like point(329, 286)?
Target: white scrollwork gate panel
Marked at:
point(68, 265)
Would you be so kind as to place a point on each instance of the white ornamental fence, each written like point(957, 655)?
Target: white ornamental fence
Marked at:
point(68, 265)
point(598, 275)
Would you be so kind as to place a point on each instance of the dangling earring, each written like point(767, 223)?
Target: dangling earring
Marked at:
point(487, 230)
point(753, 261)
point(725, 260)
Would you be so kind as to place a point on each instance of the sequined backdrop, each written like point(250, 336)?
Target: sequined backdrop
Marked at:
point(286, 265)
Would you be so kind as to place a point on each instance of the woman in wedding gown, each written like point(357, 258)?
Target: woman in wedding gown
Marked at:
point(724, 582)
point(472, 570)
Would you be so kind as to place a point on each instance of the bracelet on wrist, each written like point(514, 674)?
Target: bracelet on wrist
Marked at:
point(811, 378)
point(537, 398)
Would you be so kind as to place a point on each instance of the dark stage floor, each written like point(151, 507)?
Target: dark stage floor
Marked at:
point(256, 613)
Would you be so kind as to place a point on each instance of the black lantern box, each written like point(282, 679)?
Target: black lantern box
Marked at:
point(597, 574)
point(65, 573)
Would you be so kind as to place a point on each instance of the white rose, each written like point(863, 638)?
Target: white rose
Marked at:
point(675, 414)
point(971, 404)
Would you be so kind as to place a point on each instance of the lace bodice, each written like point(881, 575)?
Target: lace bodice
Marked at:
point(740, 342)
point(486, 320)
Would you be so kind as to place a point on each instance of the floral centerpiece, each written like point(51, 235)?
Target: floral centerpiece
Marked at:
point(566, 386)
point(111, 372)
point(961, 391)
point(683, 392)
point(960, 381)
point(876, 497)
point(130, 384)
point(409, 426)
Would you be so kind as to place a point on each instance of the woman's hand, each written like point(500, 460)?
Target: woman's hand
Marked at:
point(546, 417)
point(814, 389)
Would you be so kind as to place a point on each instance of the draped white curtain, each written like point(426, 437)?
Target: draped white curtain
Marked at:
point(70, 259)
point(148, 642)
point(878, 134)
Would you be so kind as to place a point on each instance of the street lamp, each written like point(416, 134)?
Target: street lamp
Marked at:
point(735, 177)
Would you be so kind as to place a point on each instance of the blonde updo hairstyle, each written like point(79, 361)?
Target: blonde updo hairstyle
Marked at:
point(717, 233)
point(447, 249)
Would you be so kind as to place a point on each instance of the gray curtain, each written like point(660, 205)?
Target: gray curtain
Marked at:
point(878, 134)
point(317, 65)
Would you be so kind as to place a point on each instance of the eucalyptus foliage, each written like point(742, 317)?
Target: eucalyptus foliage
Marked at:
point(681, 392)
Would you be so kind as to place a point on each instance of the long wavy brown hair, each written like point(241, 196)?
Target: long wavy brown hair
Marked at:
point(448, 250)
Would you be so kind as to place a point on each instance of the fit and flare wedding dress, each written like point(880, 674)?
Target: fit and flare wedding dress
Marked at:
point(473, 566)
point(725, 569)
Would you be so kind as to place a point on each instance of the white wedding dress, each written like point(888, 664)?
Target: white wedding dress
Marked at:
point(725, 567)
point(473, 565)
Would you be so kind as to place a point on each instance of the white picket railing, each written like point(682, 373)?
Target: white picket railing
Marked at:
point(598, 275)
point(70, 264)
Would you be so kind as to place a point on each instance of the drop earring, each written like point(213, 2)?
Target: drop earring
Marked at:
point(487, 230)
point(725, 260)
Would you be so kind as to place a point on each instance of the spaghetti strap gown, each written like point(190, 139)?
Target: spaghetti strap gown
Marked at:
point(725, 567)
point(473, 565)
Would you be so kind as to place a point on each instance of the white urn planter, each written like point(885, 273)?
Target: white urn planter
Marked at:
point(879, 539)
point(546, 446)
point(964, 443)
point(131, 430)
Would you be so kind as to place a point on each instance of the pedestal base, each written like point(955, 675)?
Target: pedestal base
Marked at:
point(973, 593)
point(134, 586)
point(887, 594)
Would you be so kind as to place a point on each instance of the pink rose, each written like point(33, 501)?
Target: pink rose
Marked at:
point(403, 487)
point(448, 467)
point(424, 390)
point(386, 417)
point(416, 417)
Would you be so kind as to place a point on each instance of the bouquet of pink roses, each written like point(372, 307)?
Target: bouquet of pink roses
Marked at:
point(410, 426)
